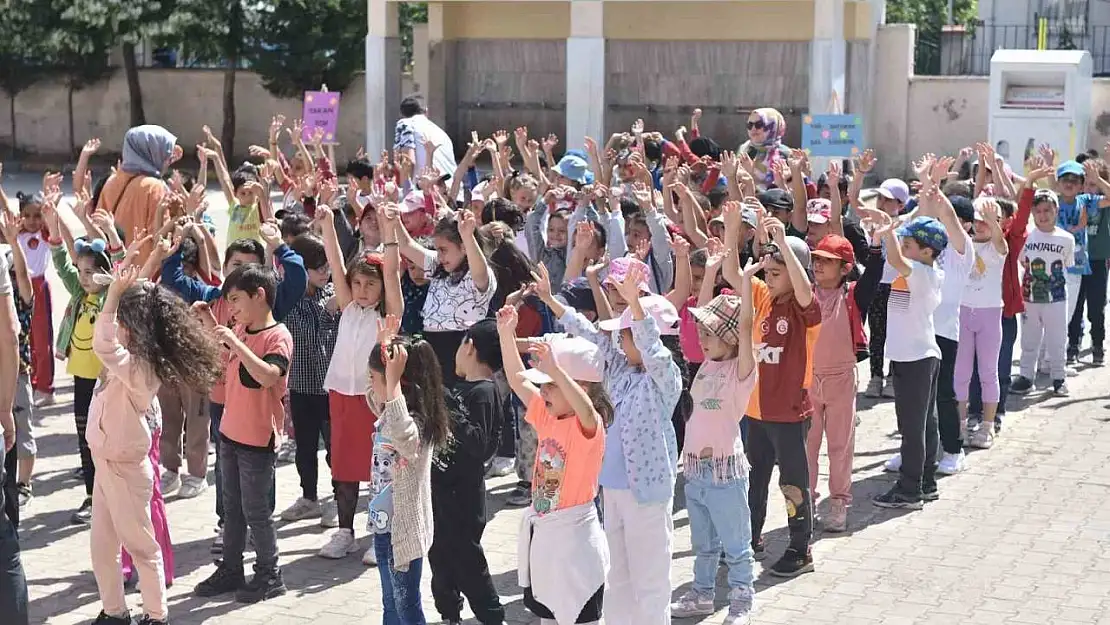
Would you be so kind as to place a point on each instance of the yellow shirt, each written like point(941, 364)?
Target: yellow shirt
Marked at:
point(83, 363)
point(243, 223)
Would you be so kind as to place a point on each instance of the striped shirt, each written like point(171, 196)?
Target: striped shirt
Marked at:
point(314, 329)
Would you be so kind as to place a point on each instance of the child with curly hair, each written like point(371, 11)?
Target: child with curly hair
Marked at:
point(145, 337)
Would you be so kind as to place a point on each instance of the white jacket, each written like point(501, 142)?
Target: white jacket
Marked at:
point(564, 557)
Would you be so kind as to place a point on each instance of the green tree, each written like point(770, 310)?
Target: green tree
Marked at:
point(303, 44)
point(218, 32)
point(77, 50)
point(22, 47)
point(929, 16)
point(123, 22)
point(410, 13)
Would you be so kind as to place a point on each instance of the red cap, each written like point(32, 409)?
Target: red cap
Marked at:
point(835, 247)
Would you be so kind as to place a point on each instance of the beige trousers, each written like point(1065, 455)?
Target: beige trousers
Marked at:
point(184, 411)
point(121, 517)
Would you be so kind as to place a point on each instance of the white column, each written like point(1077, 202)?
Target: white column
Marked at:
point(826, 55)
point(381, 17)
point(585, 73)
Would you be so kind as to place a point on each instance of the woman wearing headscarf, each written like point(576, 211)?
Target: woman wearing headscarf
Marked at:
point(132, 194)
point(766, 128)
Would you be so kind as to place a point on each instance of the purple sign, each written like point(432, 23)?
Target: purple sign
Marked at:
point(321, 110)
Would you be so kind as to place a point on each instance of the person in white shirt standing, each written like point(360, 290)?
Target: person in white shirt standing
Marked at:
point(415, 135)
point(1048, 251)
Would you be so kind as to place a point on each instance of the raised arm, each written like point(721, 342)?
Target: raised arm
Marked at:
point(479, 268)
point(579, 401)
point(863, 167)
point(991, 212)
point(799, 279)
point(10, 225)
point(325, 218)
point(216, 153)
point(683, 276)
point(514, 366)
point(391, 267)
point(836, 214)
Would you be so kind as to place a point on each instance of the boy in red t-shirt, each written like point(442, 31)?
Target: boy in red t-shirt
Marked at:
point(259, 352)
point(786, 325)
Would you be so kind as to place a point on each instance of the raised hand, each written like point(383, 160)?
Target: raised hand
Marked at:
point(91, 147)
point(629, 288)
point(543, 358)
point(507, 320)
point(866, 161)
point(543, 282)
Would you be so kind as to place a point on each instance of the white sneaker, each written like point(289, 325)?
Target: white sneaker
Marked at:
point(341, 543)
point(192, 486)
point(288, 452)
point(301, 509)
point(951, 464)
point(500, 467)
point(42, 400)
point(1070, 371)
point(171, 481)
point(983, 438)
point(739, 607)
point(329, 515)
point(893, 464)
point(692, 603)
point(370, 558)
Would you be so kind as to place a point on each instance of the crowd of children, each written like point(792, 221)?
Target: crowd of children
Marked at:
point(683, 309)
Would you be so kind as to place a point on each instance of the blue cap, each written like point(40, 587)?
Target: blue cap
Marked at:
point(927, 231)
point(1069, 167)
point(574, 167)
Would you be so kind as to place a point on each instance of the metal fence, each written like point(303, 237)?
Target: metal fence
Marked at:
point(969, 53)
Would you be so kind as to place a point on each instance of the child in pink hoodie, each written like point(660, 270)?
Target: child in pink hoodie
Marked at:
point(145, 336)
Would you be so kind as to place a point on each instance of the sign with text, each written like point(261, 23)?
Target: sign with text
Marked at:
point(321, 110)
point(832, 135)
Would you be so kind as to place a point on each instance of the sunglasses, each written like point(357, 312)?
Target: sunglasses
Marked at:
point(757, 125)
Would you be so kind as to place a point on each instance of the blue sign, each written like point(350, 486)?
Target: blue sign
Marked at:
point(832, 135)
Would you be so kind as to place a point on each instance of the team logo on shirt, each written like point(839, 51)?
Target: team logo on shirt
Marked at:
point(768, 354)
point(782, 326)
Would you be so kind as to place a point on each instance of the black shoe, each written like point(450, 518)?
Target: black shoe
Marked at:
point(895, 498)
point(1073, 354)
point(78, 474)
point(223, 581)
point(930, 495)
point(998, 423)
point(793, 563)
point(261, 587)
point(1021, 385)
point(149, 620)
point(104, 619)
point(83, 516)
point(759, 550)
point(24, 495)
point(1060, 388)
point(1098, 358)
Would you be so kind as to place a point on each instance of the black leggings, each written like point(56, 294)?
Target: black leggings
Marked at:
point(346, 500)
point(310, 422)
point(82, 398)
point(876, 322)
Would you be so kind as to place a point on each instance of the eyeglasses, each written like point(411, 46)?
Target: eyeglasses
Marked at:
point(756, 125)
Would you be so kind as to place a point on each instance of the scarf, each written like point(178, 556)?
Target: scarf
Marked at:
point(146, 150)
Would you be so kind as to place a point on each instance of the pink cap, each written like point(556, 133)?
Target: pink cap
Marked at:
point(655, 306)
point(413, 202)
point(578, 357)
point(618, 269)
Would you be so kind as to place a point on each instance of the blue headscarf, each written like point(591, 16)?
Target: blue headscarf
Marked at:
point(146, 150)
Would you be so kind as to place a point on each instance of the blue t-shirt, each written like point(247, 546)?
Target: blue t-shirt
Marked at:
point(1068, 219)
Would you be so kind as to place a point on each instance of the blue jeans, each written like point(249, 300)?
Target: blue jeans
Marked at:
point(13, 583)
point(1005, 364)
point(247, 471)
point(719, 518)
point(400, 589)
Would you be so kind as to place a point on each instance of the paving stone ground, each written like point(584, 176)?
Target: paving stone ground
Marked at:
point(1020, 537)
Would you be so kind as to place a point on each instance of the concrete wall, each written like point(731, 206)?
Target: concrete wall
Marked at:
point(179, 99)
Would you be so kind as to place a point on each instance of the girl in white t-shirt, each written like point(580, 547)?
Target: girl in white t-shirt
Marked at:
point(981, 320)
point(33, 241)
point(366, 290)
point(462, 285)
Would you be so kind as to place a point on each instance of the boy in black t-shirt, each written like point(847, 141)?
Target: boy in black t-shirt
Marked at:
point(458, 481)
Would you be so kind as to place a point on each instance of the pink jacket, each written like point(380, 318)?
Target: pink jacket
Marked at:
point(117, 429)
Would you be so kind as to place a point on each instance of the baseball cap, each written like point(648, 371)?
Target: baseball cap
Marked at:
point(835, 247)
point(819, 211)
point(721, 316)
point(800, 249)
point(578, 357)
point(1069, 167)
point(776, 199)
point(578, 295)
point(927, 231)
point(618, 269)
point(657, 307)
point(895, 189)
point(1046, 194)
point(573, 167)
point(413, 202)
